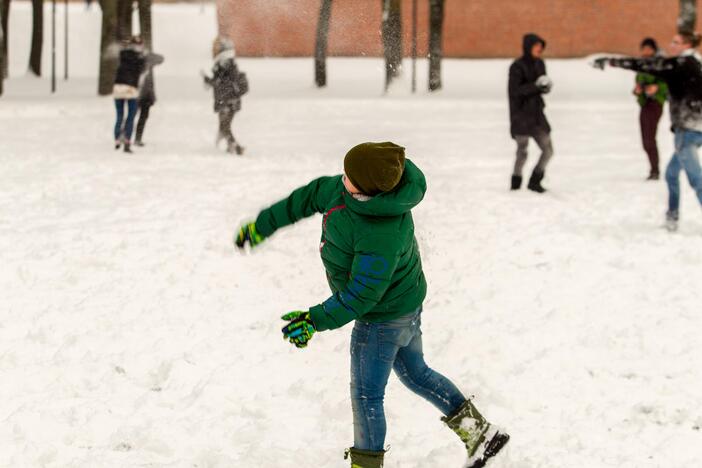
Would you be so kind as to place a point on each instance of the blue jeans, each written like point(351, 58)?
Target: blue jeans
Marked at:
point(685, 157)
point(376, 348)
point(131, 113)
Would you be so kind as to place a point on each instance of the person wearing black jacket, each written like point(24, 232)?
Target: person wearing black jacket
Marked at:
point(683, 74)
point(147, 95)
point(527, 83)
point(226, 82)
point(126, 90)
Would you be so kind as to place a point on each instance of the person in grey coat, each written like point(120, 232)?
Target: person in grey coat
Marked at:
point(228, 85)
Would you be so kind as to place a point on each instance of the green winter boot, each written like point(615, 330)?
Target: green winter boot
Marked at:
point(364, 458)
point(482, 439)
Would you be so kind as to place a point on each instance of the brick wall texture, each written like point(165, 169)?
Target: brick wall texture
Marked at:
point(473, 28)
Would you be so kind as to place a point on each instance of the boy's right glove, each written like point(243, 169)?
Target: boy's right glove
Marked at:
point(248, 234)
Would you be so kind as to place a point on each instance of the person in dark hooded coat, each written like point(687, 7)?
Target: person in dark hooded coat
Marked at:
point(527, 83)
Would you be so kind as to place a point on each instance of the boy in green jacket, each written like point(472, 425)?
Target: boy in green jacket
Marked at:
point(651, 93)
point(375, 273)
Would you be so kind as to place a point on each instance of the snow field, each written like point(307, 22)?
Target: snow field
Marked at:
point(133, 334)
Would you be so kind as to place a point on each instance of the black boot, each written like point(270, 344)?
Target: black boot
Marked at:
point(234, 147)
point(535, 181)
point(516, 182)
point(127, 147)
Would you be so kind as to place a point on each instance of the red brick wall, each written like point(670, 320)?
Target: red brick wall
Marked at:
point(473, 28)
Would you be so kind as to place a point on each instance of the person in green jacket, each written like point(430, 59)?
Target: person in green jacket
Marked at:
point(374, 270)
point(651, 92)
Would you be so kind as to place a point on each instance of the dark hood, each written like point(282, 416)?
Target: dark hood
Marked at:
point(529, 41)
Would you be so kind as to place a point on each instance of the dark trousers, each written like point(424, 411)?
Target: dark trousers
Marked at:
point(543, 140)
point(649, 117)
point(144, 107)
point(226, 115)
point(126, 131)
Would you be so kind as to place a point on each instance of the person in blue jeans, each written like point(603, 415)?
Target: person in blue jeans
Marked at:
point(124, 128)
point(685, 158)
point(132, 62)
point(376, 350)
point(682, 72)
point(375, 273)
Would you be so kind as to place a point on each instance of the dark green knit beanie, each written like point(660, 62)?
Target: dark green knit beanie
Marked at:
point(374, 168)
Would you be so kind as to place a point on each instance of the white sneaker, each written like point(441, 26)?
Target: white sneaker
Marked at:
point(671, 221)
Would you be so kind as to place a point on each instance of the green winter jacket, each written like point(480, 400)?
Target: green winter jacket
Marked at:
point(368, 247)
point(646, 79)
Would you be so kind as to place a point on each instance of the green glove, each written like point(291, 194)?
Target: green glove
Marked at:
point(300, 329)
point(248, 233)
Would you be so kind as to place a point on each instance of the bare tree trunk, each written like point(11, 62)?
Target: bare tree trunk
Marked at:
point(392, 39)
point(145, 23)
point(2, 50)
point(108, 47)
point(320, 50)
point(145, 32)
point(124, 19)
point(5, 9)
point(688, 16)
point(436, 51)
point(37, 36)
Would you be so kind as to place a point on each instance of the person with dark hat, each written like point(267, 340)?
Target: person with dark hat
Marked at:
point(374, 271)
point(528, 82)
point(682, 72)
point(651, 93)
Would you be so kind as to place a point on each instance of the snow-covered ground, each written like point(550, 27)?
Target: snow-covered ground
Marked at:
point(133, 334)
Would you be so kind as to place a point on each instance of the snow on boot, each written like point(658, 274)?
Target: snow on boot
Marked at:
point(481, 439)
point(516, 182)
point(535, 182)
point(671, 221)
point(364, 458)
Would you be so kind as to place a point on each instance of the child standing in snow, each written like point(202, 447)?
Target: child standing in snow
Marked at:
point(228, 85)
point(683, 74)
point(375, 273)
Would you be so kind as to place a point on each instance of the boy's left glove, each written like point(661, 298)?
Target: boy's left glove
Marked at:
point(300, 329)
